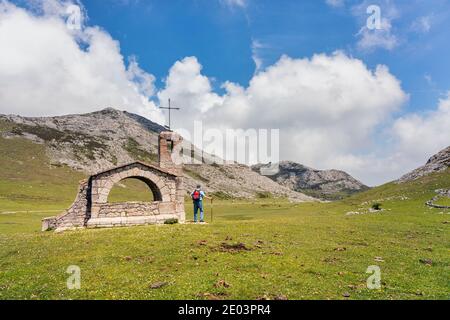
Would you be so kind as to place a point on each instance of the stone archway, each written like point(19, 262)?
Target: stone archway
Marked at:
point(91, 207)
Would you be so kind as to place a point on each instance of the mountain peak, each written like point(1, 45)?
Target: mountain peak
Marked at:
point(437, 163)
point(109, 110)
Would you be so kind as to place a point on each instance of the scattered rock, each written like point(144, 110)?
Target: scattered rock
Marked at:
point(158, 285)
point(266, 297)
point(277, 253)
point(222, 284)
point(427, 262)
point(330, 260)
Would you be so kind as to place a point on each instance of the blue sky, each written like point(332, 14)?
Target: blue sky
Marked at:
point(375, 103)
point(220, 35)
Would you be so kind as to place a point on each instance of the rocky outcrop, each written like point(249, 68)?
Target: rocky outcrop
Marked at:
point(437, 163)
point(325, 184)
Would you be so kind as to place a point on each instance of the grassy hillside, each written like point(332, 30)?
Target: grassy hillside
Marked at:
point(253, 249)
point(29, 182)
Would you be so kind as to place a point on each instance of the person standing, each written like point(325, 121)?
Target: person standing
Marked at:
point(197, 198)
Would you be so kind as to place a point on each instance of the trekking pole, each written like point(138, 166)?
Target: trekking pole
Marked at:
point(212, 207)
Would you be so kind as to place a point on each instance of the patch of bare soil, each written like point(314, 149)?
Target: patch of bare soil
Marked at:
point(233, 248)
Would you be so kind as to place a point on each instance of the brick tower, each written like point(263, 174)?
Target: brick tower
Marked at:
point(170, 153)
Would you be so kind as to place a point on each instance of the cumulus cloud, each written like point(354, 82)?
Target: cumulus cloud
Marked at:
point(327, 108)
point(431, 129)
point(410, 141)
point(187, 86)
point(48, 68)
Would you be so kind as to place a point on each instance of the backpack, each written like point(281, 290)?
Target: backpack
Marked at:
point(196, 195)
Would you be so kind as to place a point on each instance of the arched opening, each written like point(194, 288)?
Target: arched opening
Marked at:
point(134, 189)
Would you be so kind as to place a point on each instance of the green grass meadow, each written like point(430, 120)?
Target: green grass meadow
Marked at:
point(262, 249)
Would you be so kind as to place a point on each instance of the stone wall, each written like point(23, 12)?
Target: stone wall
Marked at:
point(74, 217)
point(128, 209)
point(440, 194)
point(133, 213)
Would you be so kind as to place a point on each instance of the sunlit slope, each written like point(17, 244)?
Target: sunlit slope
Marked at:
point(415, 192)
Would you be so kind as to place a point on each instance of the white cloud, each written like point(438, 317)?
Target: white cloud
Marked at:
point(188, 88)
point(45, 68)
point(235, 3)
point(422, 24)
point(377, 38)
point(257, 59)
point(411, 141)
point(335, 3)
point(370, 39)
point(143, 80)
point(420, 135)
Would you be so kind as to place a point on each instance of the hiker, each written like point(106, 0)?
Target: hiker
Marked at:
point(197, 197)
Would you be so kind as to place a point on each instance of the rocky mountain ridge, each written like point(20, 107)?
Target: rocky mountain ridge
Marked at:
point(100, 140)
point(324, 184)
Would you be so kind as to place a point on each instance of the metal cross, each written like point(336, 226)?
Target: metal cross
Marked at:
point(169, 108)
